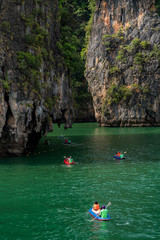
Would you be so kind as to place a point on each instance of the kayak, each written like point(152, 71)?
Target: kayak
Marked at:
point(67, 163)
point(67, 143)
point(97, 217)
point(119, 157)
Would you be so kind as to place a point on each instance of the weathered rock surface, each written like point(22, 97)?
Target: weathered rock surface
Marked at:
point(85, 115)
point(34, 86)
point(123, 63)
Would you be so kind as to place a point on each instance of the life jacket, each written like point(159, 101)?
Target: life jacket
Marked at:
point(104, 213)
point(70, 160)
point(95, 207)
point(118, 154)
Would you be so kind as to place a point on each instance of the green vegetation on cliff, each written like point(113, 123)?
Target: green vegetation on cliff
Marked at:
point(158, 6)
point(130, 56)
point(36, 60)
point(44, 46)
point(74, 16)
point(88, 28)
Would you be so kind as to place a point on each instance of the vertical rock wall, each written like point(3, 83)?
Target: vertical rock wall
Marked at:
point(123, 61)
point(34, 86)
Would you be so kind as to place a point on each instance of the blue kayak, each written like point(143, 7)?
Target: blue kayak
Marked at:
point(97, 217)
point(119, 157)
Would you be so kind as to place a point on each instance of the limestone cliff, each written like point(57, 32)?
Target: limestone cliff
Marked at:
point(34, 86)
point(123, 61)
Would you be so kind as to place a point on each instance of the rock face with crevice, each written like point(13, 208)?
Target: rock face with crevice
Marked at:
point(34, 84)
point(123, 63)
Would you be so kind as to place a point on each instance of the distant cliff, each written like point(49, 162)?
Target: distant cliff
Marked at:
point(34, 84)
point(123, 63)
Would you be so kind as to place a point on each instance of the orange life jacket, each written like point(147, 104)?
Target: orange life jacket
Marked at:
point(95, 207)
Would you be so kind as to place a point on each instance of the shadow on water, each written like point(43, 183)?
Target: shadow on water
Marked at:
point(92, 144)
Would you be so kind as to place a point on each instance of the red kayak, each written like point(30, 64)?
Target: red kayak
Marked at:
point(67, 163)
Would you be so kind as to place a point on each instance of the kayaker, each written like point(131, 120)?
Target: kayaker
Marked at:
point(104, 212)
point(118, 154)
point(47, 142)
point(121, 156)
point(70, 159)
point(96, 208)
point(67, 141)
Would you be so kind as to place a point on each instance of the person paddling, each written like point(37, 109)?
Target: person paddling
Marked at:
point(67, 141)
point(70, 159)
point(96, 208)
point(104, 212)
point(118, 154)
point(121, 156)
point(47, 142)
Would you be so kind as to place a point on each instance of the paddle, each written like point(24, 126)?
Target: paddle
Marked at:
point(109, 204)
point(65, 156)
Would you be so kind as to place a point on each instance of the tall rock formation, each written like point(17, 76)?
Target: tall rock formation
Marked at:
point(34, 86)
point(123, 63)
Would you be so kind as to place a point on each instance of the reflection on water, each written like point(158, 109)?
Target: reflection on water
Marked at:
point(99, 230)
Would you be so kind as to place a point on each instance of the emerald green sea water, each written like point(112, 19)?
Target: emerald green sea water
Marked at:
point(43, 199)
